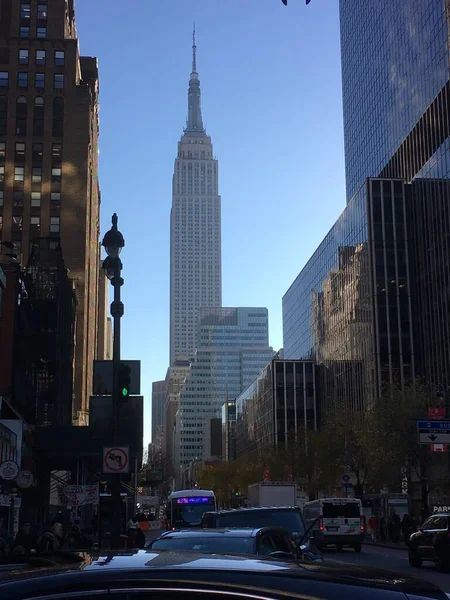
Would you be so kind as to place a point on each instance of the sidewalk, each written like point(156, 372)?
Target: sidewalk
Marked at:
point(380, 543)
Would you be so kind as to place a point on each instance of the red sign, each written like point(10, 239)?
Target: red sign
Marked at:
point(436, 413)
point(266, 474)
point(438, 447)
point(115, 460)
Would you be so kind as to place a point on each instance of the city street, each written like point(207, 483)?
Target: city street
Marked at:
point(391, 559)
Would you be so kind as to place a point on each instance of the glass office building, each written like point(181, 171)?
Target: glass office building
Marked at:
point(279, 404)
point(396, 101)
point(349, 308)
point(233, 347)
point(395, 64)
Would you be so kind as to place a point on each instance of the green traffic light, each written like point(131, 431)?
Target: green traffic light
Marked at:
point(124, 392)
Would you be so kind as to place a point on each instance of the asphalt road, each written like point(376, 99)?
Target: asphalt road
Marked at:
point(391, 559)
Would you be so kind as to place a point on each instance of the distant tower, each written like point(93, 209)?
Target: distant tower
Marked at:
point(195, 230)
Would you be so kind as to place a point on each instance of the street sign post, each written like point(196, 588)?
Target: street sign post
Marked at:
point(116, 459)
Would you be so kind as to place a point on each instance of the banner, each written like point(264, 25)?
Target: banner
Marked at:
point(78, 495)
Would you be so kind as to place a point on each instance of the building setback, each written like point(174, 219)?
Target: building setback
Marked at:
point(158, 408)
point(195, 228)
point(48, 158)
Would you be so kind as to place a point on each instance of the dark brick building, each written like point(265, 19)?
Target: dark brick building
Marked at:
point(48, 158)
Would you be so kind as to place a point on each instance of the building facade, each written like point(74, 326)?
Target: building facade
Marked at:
point(48, 157)
point(349, 310)
point(396, 101)
point(158, 408)
point(175, 379)
point(278, 405)
point(195, 228)
point(233, 347)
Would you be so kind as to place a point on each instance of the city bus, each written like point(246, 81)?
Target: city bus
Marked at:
point(185, 508)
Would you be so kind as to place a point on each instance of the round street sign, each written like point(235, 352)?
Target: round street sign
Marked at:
point(345, 478)
point(25, 479)
point(9, 470)
point(115, 460)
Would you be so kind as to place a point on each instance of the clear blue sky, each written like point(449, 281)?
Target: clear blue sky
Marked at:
point(271, 94)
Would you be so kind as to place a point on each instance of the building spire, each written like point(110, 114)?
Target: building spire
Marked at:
point(194, 52)
point(194, 121)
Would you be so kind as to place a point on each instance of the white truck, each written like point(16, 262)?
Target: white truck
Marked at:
point(272, 493)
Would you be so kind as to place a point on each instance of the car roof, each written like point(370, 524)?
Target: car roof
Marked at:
point(222, 531)
point(106, 569)
point(227, 511)
point(440, 514)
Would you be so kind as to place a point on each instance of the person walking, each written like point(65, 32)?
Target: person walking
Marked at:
point(373, 528)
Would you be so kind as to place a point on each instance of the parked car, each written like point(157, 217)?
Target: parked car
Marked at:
point(264, 541)
point(431, 543)
point(187, 575)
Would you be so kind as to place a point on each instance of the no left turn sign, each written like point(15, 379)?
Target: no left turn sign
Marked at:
point(116, 459)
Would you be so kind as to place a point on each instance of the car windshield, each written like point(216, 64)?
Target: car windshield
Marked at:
point(190, 514)
point(346, 511)
point(290, 520)
point(219, 544)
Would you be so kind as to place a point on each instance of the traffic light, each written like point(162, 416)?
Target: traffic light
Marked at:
point(124, 381)
point(237, 493)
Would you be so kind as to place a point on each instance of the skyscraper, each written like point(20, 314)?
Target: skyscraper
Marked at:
point(396, 99)
point(195, 231)
point(48, 157)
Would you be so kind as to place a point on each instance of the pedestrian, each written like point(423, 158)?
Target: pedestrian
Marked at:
point(77, 540)
point(373, 528)
point(25, 538)
point(383, 528)
point(406, 528)
point(395, 527)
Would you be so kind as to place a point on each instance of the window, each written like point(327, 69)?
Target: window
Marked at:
point(23, 56)
point(35, 224)
point(42, 11)
point(40, 57)
point(41, 32)
point(21, 116)
point(4, 79)
point(38, 116)
point(56, 175)
point(24, 32)
point(38, 151)
point(57, 152)
point(22, 80)
point(39, 80)
point(55, 197)
point(36, 175)
point(25, 11)
point(3, 114)
point(2, 151)
point(19, 173)
point(1, 197)
point(20, 150)
point(36, 199)
point(59, 81)
point(18, 199)
point(17, 223)
point(59, 58)
point(2, 173)
point(54, 224)
point(58, 117)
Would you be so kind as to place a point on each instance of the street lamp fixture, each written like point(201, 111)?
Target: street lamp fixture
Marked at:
point(113, 241)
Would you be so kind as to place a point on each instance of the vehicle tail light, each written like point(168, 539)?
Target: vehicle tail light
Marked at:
point(361, 523)
point(172, 528)
point(321, 527)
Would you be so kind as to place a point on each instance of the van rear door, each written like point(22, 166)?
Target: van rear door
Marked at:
point(341, 517)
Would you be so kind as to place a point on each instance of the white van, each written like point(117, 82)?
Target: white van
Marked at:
point(341, 521)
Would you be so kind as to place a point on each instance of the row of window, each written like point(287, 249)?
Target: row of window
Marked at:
point(39, 80)
point(24, 32)
point(17, 223)
point(37, 151)
point(38, 116)
point(35, 199)
point(42, 10)
point(41, 57)
point(36, 174)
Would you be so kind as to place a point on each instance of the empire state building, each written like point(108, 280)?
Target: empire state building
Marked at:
point(195, 228)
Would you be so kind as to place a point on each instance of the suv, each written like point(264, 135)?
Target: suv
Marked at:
point(287, 517)
point(431, 542)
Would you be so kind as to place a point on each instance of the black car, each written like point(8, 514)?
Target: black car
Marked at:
point(432, 542)
point(265, 541)
point(287, 517)
point(144, 575)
